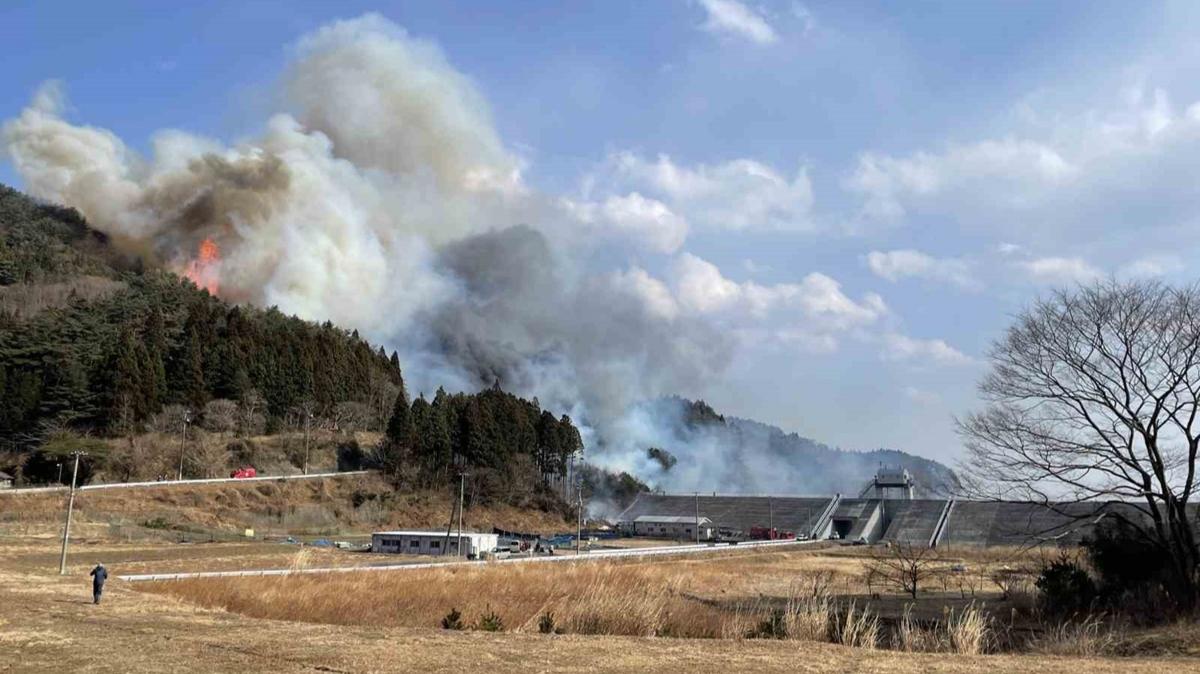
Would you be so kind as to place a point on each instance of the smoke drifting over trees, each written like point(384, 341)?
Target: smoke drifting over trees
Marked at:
point(380, 197)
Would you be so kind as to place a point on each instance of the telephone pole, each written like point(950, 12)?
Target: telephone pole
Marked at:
point(307, 424)
point(697, 518)
point(579, 517)
point(62, 560)
point(187, 419)
point(462, 483)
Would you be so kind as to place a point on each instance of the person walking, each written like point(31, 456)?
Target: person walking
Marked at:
point(99, 575)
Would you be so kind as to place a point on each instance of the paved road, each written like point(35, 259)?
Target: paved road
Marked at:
point(564, 557)
point(178, 483)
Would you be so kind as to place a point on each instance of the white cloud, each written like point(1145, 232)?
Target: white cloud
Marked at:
point(730, 17)
point(921, 396)
point(655, 295)
point(1151, 267)
point(1121, 169)
point(740, 194)
point(813, 310)
point(901, 348)
point(646, 222)
point(1009, 172)
point(1059, 270)
point(808, 22)
point(896, 265)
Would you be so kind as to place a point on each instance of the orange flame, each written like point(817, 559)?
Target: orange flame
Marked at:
point(204, 271)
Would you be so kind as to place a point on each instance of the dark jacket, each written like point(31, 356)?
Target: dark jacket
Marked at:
point(99, 575)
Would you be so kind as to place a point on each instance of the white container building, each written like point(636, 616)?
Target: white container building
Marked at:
point(473, 545)
point(669, 526)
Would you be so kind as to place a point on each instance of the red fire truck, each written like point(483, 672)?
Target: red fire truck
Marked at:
point(769, 534)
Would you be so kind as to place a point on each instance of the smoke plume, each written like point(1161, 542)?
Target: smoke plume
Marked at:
point(381, 197)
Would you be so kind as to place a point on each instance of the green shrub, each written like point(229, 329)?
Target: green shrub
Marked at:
point(774, 626)
point(453, 620)
point(1124, 560)
point(490, 621)
point(1065, 587)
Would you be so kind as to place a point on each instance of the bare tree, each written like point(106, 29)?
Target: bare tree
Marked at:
point(349, 416)
point(1093, 397)
point(206, 457)
point(904, 565)
point(170, 420)
point(251, 420)
point(220, 416)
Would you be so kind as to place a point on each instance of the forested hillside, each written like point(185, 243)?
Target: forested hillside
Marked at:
point(761, 458)
point(94, 342)
point(105, 350)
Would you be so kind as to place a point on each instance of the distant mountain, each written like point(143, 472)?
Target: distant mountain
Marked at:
point(845, 472)
point(706, 449)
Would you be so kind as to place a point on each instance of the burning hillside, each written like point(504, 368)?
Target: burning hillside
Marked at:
point(205, 269)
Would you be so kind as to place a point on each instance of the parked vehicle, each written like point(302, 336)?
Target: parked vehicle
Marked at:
point(240, 473)
point(770, 534)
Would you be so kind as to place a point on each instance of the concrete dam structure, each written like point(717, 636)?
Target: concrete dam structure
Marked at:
point(932, 522)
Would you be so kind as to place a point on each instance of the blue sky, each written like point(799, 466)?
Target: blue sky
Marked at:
point(941, 164)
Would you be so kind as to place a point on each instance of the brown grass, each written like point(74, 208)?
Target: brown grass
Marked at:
point(47, 624)
point(357, 504)
point(586, 598)
point(1089, 635)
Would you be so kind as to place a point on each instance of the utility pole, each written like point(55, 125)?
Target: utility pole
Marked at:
point(62, 560)
point(697, 518)
point(770, 513)
point(462, 483)
point(187, 419)
point(579, 517)
point(307, 423)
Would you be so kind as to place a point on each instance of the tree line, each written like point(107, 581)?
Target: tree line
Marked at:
point(95, 344)
point(510, 449)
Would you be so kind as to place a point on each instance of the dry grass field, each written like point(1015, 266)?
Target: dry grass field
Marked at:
point(47, 624)
point(346, 505)
point(655, 615)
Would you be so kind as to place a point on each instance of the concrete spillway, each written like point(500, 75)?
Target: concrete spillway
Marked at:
point(787, 513)
point(915, 522)
point(912, 522)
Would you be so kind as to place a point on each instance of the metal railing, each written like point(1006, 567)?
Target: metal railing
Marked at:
point(940, 528)
point(175, 483)
point(588, 556)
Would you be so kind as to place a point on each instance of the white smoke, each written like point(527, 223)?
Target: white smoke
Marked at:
point(381, 197)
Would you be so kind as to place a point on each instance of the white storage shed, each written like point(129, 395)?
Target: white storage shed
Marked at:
point(670, 526)
point(473, 544)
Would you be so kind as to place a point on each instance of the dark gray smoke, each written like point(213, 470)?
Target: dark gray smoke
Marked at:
point(381, 197)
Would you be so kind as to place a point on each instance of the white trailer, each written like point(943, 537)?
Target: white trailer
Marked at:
point(472, 544)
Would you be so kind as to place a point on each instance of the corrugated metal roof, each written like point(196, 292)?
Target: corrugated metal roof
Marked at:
point(671, 519)
point(5, 476)
point(438, 534)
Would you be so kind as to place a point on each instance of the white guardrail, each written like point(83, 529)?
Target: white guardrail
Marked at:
point(179, 483)
point(566, 557)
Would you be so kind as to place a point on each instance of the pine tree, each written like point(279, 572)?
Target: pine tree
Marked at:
point(190, 372)
point(400, 425)
point(127, 395)
point(154, 370)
